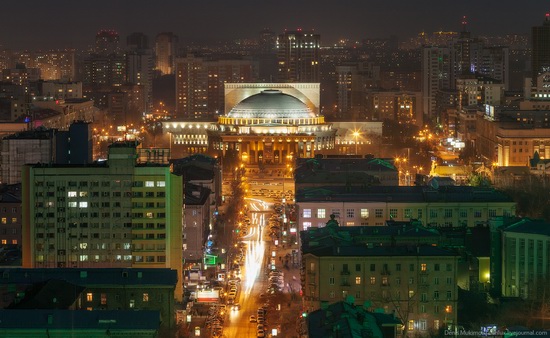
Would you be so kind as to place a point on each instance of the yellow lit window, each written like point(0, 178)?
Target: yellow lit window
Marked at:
point(357, 280)
point(145, 297)
point(423, 267)
point(90, 297)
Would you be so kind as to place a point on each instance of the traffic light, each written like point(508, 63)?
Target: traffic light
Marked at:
point(304, 314)
point(237, 231)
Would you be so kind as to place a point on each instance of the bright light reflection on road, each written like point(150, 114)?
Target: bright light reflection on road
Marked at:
point(256, 247)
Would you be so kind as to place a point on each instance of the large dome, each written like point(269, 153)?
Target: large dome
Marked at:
point(271, 104)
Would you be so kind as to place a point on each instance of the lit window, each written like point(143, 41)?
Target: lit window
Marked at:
point(307, 213)
point(149, 184)
point(132, 303)
point(90, 297)
point(4, 220)
point(161, 184)
point(357, 280)
point(73, 204)
point(83, 204)
point(14, 220)
point(103, 299)
point(364, 213)
point(411, 325)
point(423, 267)
point(306, 225)
point(145, 297)
point(71, 194)
point(4, 241)
point(321, 213)
point(83, 193)
point(373, 280)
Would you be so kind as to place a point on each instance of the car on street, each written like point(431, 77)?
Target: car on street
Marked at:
point(252, 319)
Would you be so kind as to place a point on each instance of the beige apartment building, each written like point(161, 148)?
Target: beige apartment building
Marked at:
point(450, 206)
point(416, 283)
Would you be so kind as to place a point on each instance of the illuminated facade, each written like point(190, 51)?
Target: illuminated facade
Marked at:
point(510, 138)
point(165, 51)
point(452, 206)
point(53, 64)
point(263, 123)
point(119, 214)
point(526, 259)
point(416, 284)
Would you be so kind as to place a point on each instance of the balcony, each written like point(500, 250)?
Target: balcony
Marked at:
point(345, 273)
point(385, 272)
point(345, 284)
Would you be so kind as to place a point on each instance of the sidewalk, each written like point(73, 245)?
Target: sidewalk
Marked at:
point(291, 311)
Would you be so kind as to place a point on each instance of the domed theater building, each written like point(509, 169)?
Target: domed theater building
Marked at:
point(269, 123)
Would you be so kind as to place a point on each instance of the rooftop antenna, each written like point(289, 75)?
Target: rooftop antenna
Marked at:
point(464, 23)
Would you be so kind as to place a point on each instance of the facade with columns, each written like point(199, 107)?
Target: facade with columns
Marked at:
point(269, 123)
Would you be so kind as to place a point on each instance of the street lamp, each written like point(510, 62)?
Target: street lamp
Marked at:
point(356, 136)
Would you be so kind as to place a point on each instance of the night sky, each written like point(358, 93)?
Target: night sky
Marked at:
point(36, 24)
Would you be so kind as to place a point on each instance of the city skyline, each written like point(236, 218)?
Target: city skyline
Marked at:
point(244, 19)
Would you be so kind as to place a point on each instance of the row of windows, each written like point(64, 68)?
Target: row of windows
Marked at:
point(103, 258)
point(393, 213)
point(423, 308)
point(386, 281)
point(75, 194)
point(103, 298)
point(105, 184)
point(5, 241)
point(385, 267)
point(5, 220)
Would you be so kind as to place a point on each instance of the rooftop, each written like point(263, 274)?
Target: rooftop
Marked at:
point(89, 277)
point(530, 226)
point(401, 194)
point(351, 321)
point(271, 104)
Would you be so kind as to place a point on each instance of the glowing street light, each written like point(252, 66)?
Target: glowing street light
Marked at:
point(356, 136)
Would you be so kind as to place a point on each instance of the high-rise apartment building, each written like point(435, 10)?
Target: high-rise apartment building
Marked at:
point(200, 84)
point(107, 42)
point(115, 214)
point(139, 71)
point(354, 79)
point(541, 48)
point(165, 51)
point(72, 146)
point(104, 70)
point(298, 56)
point(436, 75)
point(137, 40)
point(53, 64)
